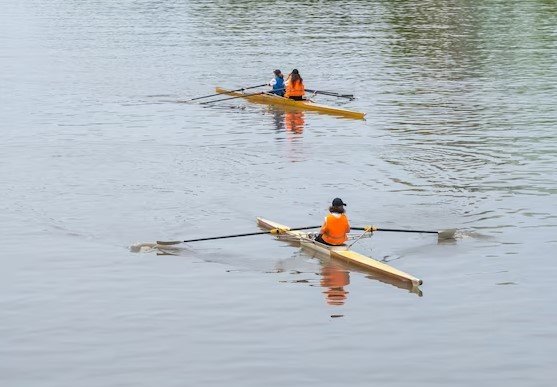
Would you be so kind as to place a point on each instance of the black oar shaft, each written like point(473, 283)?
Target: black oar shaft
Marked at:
point(235, 97)
point(239, 96)
point(441, 234)
point(331, 93)
point(273, 231)
point(231, 91)
point(398, 230)
point(225, 236)
point(395, 230)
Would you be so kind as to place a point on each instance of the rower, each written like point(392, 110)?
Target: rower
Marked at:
point(277, 83)
point(336, 225)
point(295, 86)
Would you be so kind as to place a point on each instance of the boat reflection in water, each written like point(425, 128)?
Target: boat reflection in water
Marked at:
point(335, 275)
point(289, 124)
point(288, 119)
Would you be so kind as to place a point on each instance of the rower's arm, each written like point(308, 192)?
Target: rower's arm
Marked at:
point(323, 227)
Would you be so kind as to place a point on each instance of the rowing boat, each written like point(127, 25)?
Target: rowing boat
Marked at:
point(273, 99)
point(339, 252)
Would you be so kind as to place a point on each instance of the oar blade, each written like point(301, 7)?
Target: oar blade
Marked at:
point(142, 247)
point(446, 234)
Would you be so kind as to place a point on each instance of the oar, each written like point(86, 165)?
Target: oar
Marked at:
point(239, 96)
point(273, 231)
point(231, 91)
point(441, 234)
point(331, 93)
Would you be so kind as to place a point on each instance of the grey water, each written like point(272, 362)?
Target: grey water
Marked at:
point(96, 155)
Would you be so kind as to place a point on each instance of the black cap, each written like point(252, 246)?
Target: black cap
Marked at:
point(337, 202)
point(295, 71)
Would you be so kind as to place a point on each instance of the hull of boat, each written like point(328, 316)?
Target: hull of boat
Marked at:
point(271, 99)
point(340, 252)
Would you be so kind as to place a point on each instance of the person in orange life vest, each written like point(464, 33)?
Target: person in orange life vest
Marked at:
point(295, 86)
point(336, 225)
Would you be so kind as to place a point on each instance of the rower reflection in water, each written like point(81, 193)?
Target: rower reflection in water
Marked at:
point(288, 119)
point(336, 226)
point(278, 118)
point(294, 121)
point(334, 279)
point(289, 126)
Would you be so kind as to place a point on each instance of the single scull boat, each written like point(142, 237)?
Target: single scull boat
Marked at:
point(340, 252)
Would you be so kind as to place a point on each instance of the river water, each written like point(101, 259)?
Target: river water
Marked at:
point(97, 155)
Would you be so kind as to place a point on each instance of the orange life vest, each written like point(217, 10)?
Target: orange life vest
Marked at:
point(296, 89)
point(335, 228)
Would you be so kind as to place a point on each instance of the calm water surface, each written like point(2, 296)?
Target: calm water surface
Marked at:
point(96, 155)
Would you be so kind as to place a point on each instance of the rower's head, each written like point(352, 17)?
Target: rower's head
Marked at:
point(337, 206)
point(278, 73)
point(295, 76)
point(337, 202)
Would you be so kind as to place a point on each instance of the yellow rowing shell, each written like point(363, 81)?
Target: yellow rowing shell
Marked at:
point(341, 252)
point(272, 99)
